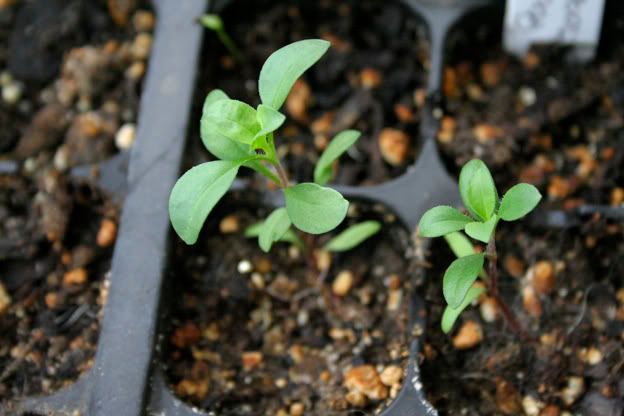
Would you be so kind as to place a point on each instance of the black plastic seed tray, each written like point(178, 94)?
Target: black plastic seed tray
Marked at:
point(126, 378)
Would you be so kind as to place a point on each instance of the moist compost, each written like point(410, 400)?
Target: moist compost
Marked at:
point(250, 334)
point(567, 289)
point(55, 250)
point(372, 79)
point(542, 119)
point(70, 76)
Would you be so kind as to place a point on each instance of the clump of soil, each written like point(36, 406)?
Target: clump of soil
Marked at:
point(540, 119)
point(52, 284)
point(372, 79)
point(251, 334)
point(567, 288)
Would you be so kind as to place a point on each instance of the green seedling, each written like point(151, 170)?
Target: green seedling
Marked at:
point(484, 211)
point(241, 136)
point(215, 23)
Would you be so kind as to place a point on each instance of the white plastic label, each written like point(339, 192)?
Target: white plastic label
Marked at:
point(568, 22)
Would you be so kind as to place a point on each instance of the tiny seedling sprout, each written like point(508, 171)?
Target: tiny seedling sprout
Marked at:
point(480, 199)
point(241, 136)
point(215, 23)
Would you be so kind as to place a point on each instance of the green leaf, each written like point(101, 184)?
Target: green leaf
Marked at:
point(289, 237)
point(340, 144)
point(196, 193)
point(482, 231)
point(460, 276)
point(315, 209)
point(477, 189)
point(285, 66)
point(442, 220)
point(212, 22)
point(519, 201)
point(451, 314)
point(274, 228)
point(459, 244)
point(214, 96)
point(353, 236)
point(231, 119)
point(270, 120)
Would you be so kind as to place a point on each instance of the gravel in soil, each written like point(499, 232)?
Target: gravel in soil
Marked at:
point(372, 79)
point(249, 333)
point(567, 288)
point(541, 119)
point(55, 250)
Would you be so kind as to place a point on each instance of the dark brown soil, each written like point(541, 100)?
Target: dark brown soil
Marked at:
point(542, 119)
point(307, 341)
point(579, 332)
point(369, 39)
point(78, 74)
point(56, 285)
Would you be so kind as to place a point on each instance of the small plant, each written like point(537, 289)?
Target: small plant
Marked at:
point(480, 198)
point(215, 23)
point(240, 135)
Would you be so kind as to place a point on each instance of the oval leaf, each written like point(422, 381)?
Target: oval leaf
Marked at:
point(459, 244)
point(519, 201)
point(442, 220)
point(289, 236)
point(340, 144)
point(212, 97)
point(270, 120)
point(196, 193)
point(451, 314)
point(315, 209)
point(285, 66)
point(482, 231)
point(353, 236)
point(477, 189)
point(459, 277)
point(231, 119)
point(274, 228)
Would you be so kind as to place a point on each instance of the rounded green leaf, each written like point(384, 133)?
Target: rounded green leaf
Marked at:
point(459, 277)
point(459, 244)
point(315, 209)
point(477, 189)
point(482, 231)
point(285, 66)
point(340, 144)
point(442, 220)
point(196, 193)
point(231, 119)
point(451, 314)
point(353, 236)
point(274, 229)
point(519, 201)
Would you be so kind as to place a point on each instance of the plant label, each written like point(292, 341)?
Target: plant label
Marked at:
point(565, 22)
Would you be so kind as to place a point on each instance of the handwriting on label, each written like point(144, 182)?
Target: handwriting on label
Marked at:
point(567, 22)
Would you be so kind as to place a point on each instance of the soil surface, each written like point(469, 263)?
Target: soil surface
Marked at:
point(55, 250)
point(567, 288)
point(542, 119)
point(372, 79)
point(250, 334)
point(70, 78)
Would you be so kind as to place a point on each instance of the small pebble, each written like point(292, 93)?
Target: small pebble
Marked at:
point(550, 410)
point(5, 78)
point(488, 309)
point(251, 360)
point(125, 136)
point(469, 335)
point(356, 399)
point(531, 302)
point(143, 21)
point(370, 78)
point(107, 233)
point(527, 96)
point(75, 277)
point(592, 356)
point(5, 299)
point(136, 71)
point(244, 266)
point(230, 224)
point(542, 277)
point(280, 383)
point(485, 133)
point(11, 93)
point(391, 375)
point(141, 46)
point(395, 297)
point(365, 379)
point(61, 158)
point(574, 389)
point(531, 406)
point(323, 260)
point(394, 146)
point(342, 283)
point(297, 409)
point(257, 280)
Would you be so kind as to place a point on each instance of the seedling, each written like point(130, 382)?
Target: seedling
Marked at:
point(240, 135)
point(480, 199)
point(215, 23)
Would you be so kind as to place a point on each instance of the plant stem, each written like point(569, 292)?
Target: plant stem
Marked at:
point(229, 44)
point(282, 174)
point(493, 291)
